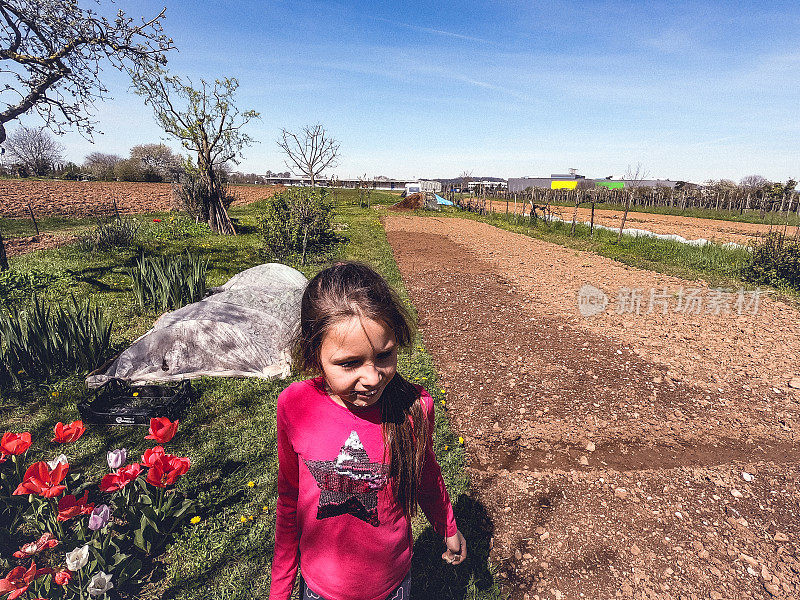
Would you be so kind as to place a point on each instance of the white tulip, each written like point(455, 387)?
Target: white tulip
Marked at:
point(61, 459)
point(78, 558)
point(116, 458)
point(100, 583)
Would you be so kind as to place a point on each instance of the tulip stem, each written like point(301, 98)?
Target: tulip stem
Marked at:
point(58, 528)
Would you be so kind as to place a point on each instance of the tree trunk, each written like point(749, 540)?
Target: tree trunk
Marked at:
point(3, 257)
point(574, 215)
point(624, 217)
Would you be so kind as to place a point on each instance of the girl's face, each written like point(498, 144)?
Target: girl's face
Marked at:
point(358, 357)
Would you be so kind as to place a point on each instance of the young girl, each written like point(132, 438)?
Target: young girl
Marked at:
point(354, 449)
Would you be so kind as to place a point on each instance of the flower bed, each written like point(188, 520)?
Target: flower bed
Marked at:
point(87, 537)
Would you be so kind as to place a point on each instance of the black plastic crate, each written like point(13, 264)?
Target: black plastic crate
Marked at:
point(118, 403)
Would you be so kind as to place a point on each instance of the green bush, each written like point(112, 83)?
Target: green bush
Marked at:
point(776, 262)
point(39, 340)
point(298, 221)
point(168, 282)
point(178, 228)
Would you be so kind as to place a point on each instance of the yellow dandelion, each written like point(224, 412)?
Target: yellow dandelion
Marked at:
point(194, 520)
point(416, 378)
point(243, 519)
point(250, 517)
point(444, 391)
point(21, 372)
point(446, 446)
point(135, 394)
point(442, 402)
point(265, 508)
point(251, 484)
point(460, 440)
point(54, 394)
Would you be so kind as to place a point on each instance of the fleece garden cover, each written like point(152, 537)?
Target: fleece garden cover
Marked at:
point(242, 329)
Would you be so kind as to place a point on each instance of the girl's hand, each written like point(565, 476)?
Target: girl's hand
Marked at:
point(456, 552)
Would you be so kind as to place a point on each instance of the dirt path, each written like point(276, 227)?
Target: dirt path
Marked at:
point(691, 228)
point(610, 449)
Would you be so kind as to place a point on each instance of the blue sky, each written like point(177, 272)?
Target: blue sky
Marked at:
point(691, 90)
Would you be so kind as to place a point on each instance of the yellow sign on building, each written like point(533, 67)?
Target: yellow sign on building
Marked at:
point(563, 185)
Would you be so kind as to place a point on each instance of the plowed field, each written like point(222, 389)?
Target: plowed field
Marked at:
point(88, 198)
point(631, 453)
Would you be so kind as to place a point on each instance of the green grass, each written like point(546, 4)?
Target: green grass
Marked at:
point(229, 431)
point(13, 228)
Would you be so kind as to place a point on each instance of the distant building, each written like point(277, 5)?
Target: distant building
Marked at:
point(572, 181)
point(485, 186)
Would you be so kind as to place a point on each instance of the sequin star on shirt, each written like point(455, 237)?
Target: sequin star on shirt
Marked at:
point(349, 484)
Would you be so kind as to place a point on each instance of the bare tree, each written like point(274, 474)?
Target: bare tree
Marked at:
point(33, 150)
point(208, 123)
point(51, 53)
point(101, 165)
point(158, 159)
point(465, 177)
point(310, 151)
point(753, 182)
point(633, 181)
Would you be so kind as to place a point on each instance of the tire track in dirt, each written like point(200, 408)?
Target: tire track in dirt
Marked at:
point(602, 472)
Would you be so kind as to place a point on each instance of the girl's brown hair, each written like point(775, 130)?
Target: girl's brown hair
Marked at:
point(348, 290)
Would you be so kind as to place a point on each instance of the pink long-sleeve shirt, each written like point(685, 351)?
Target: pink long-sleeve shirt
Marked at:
point(334, 503)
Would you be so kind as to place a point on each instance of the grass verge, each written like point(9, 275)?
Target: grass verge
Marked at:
point(229, 432)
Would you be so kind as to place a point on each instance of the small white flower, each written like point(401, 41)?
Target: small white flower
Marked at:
point(100, 583)
point(116, 458)
point(61, 459)
point(78, 558)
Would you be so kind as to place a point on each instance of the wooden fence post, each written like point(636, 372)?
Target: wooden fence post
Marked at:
point(35, 224)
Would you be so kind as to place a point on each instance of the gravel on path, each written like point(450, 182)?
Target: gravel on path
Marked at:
point(609, 450)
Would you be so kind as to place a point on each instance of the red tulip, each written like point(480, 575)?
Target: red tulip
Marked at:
point(15, 443)
point(70, 506)
point(151, 456)
point(63, 577)
point(167, 469)
point(68, 433)
point(162, 429)
point(156, 220)
point(120, 478)
point(40, 480)
point(18, 580)
point(45, 542)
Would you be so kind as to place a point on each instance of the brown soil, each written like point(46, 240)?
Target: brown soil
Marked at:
point(614, 453)
point(412, 202)
point(22, 245)
point(88, 198)
point(691, 228)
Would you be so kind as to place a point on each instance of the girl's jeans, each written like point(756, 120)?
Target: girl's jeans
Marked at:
point(403, 591)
